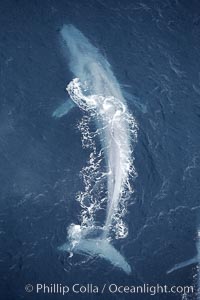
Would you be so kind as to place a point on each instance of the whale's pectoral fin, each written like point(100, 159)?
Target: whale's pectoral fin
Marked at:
point(63, 109)
point(135, 100)
point(183, 264)
point(101, 248)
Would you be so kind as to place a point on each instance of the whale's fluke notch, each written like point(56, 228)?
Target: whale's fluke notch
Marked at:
point(183, 264)
point(102, 248)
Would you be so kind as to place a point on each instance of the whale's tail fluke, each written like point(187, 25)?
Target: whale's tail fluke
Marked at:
point(183, 264)
point(101, 248)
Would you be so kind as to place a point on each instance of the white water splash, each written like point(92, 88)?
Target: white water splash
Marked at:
point(115, 126)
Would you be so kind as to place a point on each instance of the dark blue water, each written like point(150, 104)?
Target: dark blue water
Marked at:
point(153, 46)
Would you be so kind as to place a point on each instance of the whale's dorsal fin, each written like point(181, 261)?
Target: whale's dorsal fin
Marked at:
point(63, 109)
point(183, 264)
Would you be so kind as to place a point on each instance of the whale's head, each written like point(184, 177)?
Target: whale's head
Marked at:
point(81, 54)
point(76, 42)
point(87, 63)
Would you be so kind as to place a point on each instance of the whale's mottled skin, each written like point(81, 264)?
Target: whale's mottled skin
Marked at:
point(95, 89)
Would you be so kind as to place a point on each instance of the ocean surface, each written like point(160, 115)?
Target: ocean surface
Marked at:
point(153, 48)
